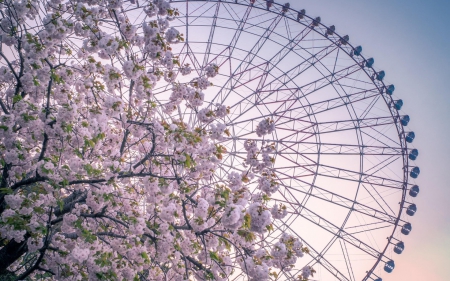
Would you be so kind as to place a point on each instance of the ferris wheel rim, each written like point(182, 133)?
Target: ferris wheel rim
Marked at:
point(369, 71)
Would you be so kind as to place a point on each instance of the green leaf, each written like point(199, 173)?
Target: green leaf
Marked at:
point(17, 98)
point(247, 221)
point(215, 256)
point(60, 204)
point(88, 236)
point(145, 256)
point(247, 235)
point(225, 242)
point(226, 193)
point(6, 190)
point(188, 162)
point(64, 183)
point(56, 77)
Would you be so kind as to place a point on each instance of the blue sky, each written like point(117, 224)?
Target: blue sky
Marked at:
point(410, 40)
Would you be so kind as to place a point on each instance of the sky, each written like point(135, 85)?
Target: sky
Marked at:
point(410, 40)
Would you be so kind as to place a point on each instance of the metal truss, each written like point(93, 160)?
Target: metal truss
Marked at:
point(342, 156)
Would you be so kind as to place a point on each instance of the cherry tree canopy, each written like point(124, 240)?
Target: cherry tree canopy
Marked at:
point(99, 180)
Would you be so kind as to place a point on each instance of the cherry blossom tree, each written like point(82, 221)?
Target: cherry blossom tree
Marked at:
point(100, 180)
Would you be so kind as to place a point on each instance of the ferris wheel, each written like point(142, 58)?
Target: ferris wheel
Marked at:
point(344, 157)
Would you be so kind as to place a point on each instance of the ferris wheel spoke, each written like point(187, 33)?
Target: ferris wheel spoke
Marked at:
point(304, 90)
point(311, 190)
point(318, 107)
point(379, 199)
point(326, 148)
point(380, 137)
point(306, 63)
point(284, 125)
point(325, 224)
point(193, 58)
point(345, 175)
point(382, 164)
point(339, 200)
point(284, 151)
point(211, 35)
point(232, 45)
point(338, 126)
point(356, 176)
point(326, 80)
point(374, 226)
point(199, 13)
point(241, 22)
point(321, 106)
point(239, 29)
point(250, 55)
point(257, 46)
point(297, 70)
point(282, 53)
point(338, 149)
point(315, 255)
point(348, 261)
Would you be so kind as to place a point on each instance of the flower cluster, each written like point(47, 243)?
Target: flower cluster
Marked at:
point(265, 127)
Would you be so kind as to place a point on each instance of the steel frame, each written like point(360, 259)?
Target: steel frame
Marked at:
point(266, 88)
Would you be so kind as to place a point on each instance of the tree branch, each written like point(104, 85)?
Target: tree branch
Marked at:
point(41, 251)
point(11, 252)
point(124, 141)
point(4, 108)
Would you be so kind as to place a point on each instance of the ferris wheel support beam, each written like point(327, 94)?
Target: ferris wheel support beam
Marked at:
point(345, 174)
point(250, 55)
point(230, 48)
point(358, 180)
point(211, 36)
point(348, 262)
point(288, 150)
point(319, 128)
point(291, 147)
point(337, 231)
point(341, 201)
point(279, 56)
point(315, 85)
point(193, 58)
point(346, 72)
point(336, 199)
point(238, 32)
point(353, 175)
point(325, 224)
point(334, 126)
point(326, 105)
point(355, 178)
point(326, 148)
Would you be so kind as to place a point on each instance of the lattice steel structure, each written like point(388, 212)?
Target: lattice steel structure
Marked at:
point(343, 152)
